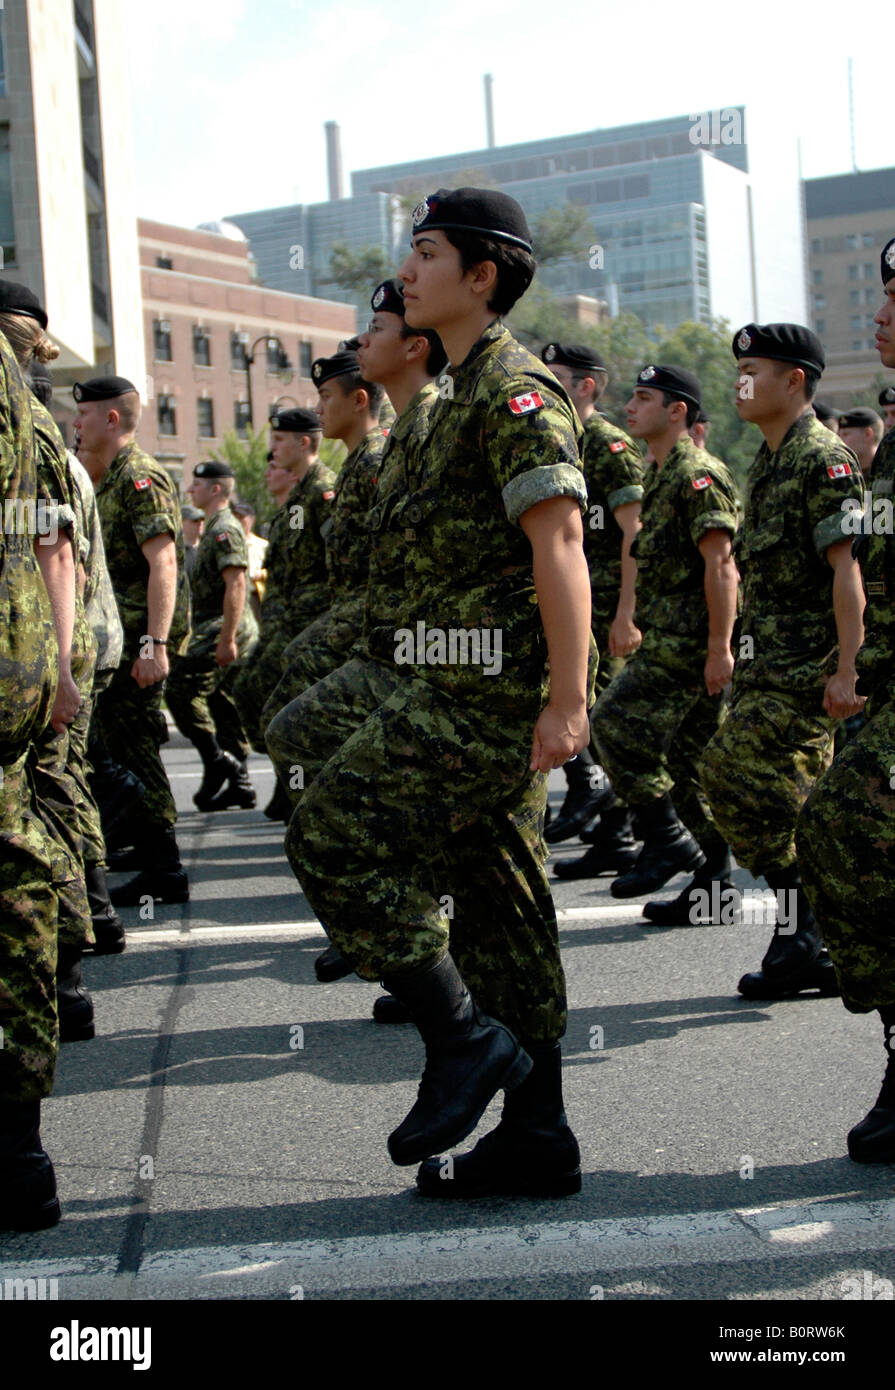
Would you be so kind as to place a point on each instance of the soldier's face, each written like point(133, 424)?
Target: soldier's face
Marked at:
point(889, 415)
point(859, 439)
point(90, 424)
point(646, 415)
point(192, 530)
point(762, 390)
point(436, 289)
point(277, 477)
point(285, 445)
point(885, 327)
point(336, 410)
point(200, 492)
point(382, 352)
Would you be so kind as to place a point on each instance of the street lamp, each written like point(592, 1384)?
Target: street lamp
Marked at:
point(284, 366)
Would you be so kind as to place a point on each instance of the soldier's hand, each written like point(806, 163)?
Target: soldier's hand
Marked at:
point(718, 669)
point(152, 669)
point(67, 702)
point(225, 653)
point(841, 700)
point(624, 637)
point(558, 736)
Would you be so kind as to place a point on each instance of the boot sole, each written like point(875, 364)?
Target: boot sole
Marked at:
point(563, 1185)
point(622, 866)
point(690, 865)
point(49, 1214)
point(514, 1075)
point(83, 1033)
point(791, 991)
point(113, 949)
point(888, 1157)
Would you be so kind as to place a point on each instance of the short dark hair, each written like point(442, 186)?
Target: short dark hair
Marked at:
point(437, 359)
point(353, 381)
point(668, 397)
point(42, 389)
point(812, 377)
point(243, 509)
point(515, 267)
point(580, 374)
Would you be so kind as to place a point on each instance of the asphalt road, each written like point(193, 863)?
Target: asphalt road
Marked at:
point(224, 1134)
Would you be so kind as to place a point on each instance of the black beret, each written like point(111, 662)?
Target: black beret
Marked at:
point(781, 342)
point(102, 388)
point(213, 468)
point(824, 411)
point(887, 261)
point(887, 396)
point(349, 344)
point(39, 371)
point(338, 365)
point(190, 513)
point(18, 299)
point(860, 417)
point(388, 298)
point(702, 418)
point(573, 355)
point(296, 421)
point(683, 385)
point(482, 210)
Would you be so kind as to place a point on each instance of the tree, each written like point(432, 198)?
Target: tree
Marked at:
point(358, 271)
point(562, 231)
point(248, 459)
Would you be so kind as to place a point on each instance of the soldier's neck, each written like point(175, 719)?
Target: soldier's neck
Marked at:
point(777, 428)
point(403, 388)
point(661, 445)
point(98, 461)
point(358, 431)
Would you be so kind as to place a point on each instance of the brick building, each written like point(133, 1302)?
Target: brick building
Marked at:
point(203, 314)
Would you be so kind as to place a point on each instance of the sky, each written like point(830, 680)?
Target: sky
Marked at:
point(230, 96)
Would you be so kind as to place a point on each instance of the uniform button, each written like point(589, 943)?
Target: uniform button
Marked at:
point(414, 513)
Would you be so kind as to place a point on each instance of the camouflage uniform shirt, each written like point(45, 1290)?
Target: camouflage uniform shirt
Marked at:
point(296, 554)
point(347, 529)
point(793, 514)
point(137, 500)
point(876, 552)
point(614, 472)
point(223, 546)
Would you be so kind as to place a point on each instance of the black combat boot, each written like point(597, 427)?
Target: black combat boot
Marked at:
point(108, 927)
point(668, 849)
point(28, 1200)
point(614, 849)
point(469, 1058)
point(796, 959)
point(531, 1153)
point(279, 807)
point(163, 879)
point(238, 791)
point(123, 860)
point(331, 965)
point(73, 1003)
point(388, 1009)
point(219, 768)
point(873, 1140)
point(582, 801)
point(117, 792)
point(709, 899)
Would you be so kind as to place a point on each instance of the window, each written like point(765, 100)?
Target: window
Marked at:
point(871, 296)
point(854, 296)
point(167, 415)
point(869, 270)
point(820, 301)
point(868, 239)
point(856, 345)
point(205, 417)
point(201, 347)
point(305, 358)
point(7, 222)
point(820, 327)
point(815, 246)
point(854, 272)
point(239, 360)
point(241, 417)
point(851, 243)
point(161, 332)
point(274, 360)
point(164, 263)
point(818, 277)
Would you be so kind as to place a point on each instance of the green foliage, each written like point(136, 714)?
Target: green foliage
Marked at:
point(358, 271)
point(562, 231)
point(248, 459)
point(706, 351)
point(333, 454)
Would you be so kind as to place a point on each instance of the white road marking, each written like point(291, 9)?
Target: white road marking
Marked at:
point(589, 1248)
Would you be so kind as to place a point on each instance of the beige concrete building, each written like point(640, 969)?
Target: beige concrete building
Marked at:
point(849, 218)
point(67, 199)
point(204, 316)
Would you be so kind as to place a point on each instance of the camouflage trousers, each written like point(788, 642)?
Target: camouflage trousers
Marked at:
point(758, 770)
point(202, 700)
point(256, 683)
point(844, 840)
point(32, 869)
point(133, 729)
point(93, 845)
point(317, 651)
point(420, 829)
point(651, 726)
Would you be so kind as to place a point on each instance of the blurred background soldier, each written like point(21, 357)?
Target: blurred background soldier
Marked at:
point(887, 406)
point(614, 472)
point(140, 513)
point(827, 415)
point(862, 429)
point(224, 633)
point(245, 514)
point(193, 524)
point(847, 827)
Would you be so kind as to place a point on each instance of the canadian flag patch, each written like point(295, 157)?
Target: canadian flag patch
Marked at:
point(523, 405)
point(617, 446)
point(223, 538)
point(328, 496)
point(700, 483)
point(141, 484)
point(839, 470)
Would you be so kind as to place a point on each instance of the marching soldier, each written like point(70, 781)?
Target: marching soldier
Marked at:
point(886, 400)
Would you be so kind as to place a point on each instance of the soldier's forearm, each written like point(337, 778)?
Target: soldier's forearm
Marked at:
point(161, 592)
point(848, 610)
point(234, 602)
point(57, 565)
point(721, 599)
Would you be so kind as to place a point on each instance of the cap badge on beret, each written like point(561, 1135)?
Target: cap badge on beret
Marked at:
point(77, 391)
point(647, 374)
point(550, 352)
point(317, 371)
point(420, 212)
point(890, 255)
point(744, 341)
point(379, 297)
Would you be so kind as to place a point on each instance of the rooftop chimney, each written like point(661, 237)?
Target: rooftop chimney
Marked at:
point(333, 160)
point(489, 109)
